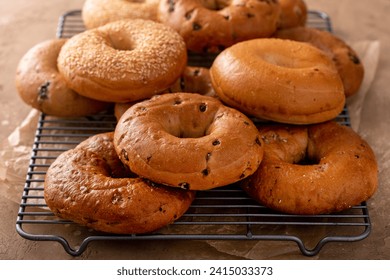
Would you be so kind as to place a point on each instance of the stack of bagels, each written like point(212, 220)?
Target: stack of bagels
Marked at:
point(262, 116)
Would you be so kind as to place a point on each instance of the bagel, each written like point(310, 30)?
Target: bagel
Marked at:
point(121, 108)
point(123, 61)
point(348, 64)
point(41, 86)
point(212, 25)
point(188, 140)
point(340, 169)
point(279, 80)
point(97, 13)
point(193, 80)
point(293, 13)
point(90, 186)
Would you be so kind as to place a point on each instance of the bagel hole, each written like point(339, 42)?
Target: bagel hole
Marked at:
point(281, 60)
point(197, 124)
point(308, 161)
point(194, 133)
point(121, 43)
point(179, 132)
point(120, 171)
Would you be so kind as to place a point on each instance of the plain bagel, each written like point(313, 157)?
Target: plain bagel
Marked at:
point(348, 64)
point(97, 13)
point(279, 80)
point(90, 186)
point(188, 140)
point(123, 61)
point(314, 169)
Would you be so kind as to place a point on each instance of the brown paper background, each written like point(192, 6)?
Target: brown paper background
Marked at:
point(24, 23)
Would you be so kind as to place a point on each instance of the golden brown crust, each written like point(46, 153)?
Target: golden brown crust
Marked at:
point(348, 64)
point(97, 13)
point(212, 25)
point(189, 141)
point(90, 186)
point(279, 80)
point(123, 61)
point(41, 86)
point(293, 13)
point(341, 171)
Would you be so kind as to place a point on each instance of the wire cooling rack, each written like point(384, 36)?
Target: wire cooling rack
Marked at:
point(225, 213)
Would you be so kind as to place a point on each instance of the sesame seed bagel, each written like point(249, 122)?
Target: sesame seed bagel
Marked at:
point(123, 61)
point(348, 64)
point(313, 169)
point(188, 140)
point(96, 13)
point(90, 186)
point(41, 86)
point(212, 25)
point(279, 80)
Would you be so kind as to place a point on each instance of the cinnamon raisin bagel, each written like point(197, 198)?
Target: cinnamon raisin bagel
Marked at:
point(348, 64)
point(90, 186)
point(212, 25)
point(41, 86)
point(188, 140)
point(317, 169)
point(97, 13)
point(279, 80)
point(123, 61)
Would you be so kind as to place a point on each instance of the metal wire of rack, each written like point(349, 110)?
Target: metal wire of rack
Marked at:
point(225, 213)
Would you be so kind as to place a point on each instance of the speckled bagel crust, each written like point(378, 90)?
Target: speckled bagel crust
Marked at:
point(212, 25)
point(188, 140)
point(279, 80)
point(293, 13)
point(41, 86)
point(97, 13)
point(123, 61)
point(90, 186)
point(348, 64)
point(340, 169)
